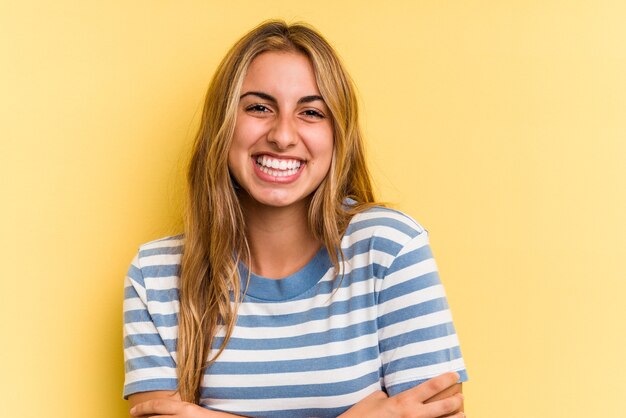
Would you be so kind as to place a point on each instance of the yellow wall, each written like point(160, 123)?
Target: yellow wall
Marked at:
point(500, 126)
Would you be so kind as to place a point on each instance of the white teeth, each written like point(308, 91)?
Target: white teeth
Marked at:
point(278, 167)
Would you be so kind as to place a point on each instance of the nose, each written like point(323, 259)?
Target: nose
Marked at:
point(283, 133)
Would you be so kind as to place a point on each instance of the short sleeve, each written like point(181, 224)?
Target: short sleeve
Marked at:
point(148, 363)
point(417, 339)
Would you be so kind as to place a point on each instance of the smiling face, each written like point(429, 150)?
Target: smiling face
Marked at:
point(282, 145)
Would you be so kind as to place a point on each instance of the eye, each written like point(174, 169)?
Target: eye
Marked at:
point(257, 108)
point(312, 113)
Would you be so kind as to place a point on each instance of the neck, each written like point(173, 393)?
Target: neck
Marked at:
point(280, 240)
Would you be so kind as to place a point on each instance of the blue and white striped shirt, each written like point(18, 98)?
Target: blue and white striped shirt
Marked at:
point(302, 347)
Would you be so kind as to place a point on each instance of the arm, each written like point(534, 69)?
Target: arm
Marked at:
point(158, 402)
point(150, 380)
point(417, 337)
point(140, 397)
point(438, 397)
point(444, 401)
point(452, 390)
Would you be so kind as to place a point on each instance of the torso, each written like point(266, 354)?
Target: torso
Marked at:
point(302, 346)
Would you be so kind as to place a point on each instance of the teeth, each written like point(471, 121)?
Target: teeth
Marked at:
point(278, 167)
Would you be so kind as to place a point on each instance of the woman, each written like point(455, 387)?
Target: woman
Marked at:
point(294, 295)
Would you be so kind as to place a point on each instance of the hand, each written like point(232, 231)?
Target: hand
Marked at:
point(170, 407)
point(413, 402)
point(173, 408)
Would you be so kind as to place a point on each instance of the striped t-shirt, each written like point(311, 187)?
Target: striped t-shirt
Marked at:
point(301, 346)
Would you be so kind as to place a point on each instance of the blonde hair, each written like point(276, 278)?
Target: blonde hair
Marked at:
point(215, 240)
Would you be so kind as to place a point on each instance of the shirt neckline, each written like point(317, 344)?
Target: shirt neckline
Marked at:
point(287, 287)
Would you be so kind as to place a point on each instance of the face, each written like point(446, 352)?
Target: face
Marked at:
point(283, 140)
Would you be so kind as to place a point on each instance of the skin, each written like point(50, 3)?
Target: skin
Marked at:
point(282, 115)
point(436, 398)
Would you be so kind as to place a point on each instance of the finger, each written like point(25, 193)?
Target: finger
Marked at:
point(154, 406)
point(432, 387)
point(160, 416)
point(445, 406)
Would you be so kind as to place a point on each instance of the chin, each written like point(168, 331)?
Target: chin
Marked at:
point(277, 201)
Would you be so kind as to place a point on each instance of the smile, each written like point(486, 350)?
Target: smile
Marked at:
point(278, 167)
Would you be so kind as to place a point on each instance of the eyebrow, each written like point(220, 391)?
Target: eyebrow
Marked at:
point(265, 96)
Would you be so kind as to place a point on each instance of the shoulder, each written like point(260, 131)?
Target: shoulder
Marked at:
point(171, 245)
point(158, 259)
point(379, 221)
point(378, 236)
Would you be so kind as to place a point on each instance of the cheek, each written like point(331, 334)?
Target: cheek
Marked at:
point(236, 155)
point(320, 140)
point(323, 152)
point(240, 135)
point(231, 160)
point(240, 144)
point(248, 130)
point(327, 147)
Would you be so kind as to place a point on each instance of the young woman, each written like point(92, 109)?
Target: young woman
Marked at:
point(291, 293)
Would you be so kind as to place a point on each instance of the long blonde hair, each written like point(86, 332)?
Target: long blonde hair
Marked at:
point(215, 240)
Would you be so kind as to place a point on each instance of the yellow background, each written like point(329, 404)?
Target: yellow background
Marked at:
point(499, 125)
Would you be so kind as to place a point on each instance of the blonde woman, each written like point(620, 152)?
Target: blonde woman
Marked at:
point(291, 293)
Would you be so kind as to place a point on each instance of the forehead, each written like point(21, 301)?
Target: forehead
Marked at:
point(281, 72)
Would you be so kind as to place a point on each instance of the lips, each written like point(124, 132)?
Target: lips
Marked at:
point(276, 169)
